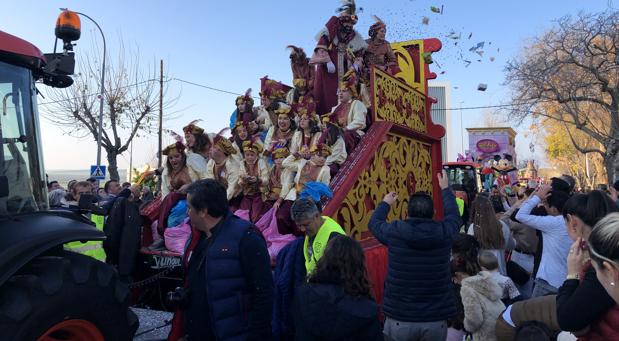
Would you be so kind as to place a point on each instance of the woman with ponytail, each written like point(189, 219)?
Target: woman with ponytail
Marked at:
point(583, 306)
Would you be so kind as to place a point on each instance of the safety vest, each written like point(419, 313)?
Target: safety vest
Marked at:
point(460, 204)
point(320, 243)
point(92, 248)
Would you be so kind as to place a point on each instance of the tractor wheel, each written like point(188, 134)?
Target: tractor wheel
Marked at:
point(72, 297)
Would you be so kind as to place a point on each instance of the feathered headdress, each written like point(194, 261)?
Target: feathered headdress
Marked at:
point(279, 152)
point(297, 54)
point(223, 143)
point(306, 108)
point(348, 10)
point(192, 128)
point(178, 145)
point(349, 82)
point(376, 26)
point(284, 109)
point(321, 149)
point(245, 98)
point(253, 144)
point(272, 89)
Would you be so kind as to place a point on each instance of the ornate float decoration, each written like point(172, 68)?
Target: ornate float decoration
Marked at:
point(401, 152)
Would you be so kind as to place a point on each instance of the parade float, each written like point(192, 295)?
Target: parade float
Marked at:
point(400, 151)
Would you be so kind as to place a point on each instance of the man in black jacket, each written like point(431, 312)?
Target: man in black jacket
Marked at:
point(418, 295)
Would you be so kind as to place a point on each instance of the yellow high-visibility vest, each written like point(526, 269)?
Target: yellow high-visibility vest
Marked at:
point(92, 248)
point(320, 243)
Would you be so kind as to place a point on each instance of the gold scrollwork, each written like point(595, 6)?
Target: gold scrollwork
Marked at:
point(398, 103)
point(408, 71)
point(402, 165)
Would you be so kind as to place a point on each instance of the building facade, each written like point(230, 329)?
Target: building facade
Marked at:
point(441, 114)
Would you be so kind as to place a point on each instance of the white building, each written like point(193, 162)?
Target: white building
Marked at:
point(441, 90)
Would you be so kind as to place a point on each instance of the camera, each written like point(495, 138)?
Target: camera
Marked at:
point(178, 299)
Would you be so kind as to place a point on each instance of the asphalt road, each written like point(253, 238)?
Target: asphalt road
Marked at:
point(152, 324)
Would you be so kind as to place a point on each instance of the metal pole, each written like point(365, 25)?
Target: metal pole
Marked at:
point(160, 112)
point(100, 129)
point(461, 130)
point(159, 153)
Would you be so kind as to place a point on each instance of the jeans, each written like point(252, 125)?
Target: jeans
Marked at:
point(542, 288)
point(415, 331)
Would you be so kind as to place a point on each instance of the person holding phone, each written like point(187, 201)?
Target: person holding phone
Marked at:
point(418, 296)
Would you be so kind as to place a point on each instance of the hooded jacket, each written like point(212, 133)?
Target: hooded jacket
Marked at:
point(481, 298)
point(324, 311)
point(418, 287)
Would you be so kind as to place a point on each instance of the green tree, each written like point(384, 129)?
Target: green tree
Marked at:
point(570, 75)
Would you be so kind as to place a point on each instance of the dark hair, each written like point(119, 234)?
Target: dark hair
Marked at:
point(91, 180)
point(616, 185)
point(488, 260)
point(589, 208)
point(51, 183)
point(304, 208)
point(420, 205)
point(464, 250)
point(557, 199)
point(313, 125)
point(208, 194)
point(488, 229)
point(107, 185)
point(343, 262)
point(604, 239)
point(533, 331)
point(528, 191)
point(333, 133)
point(201, 144)
point(126, 184)
point(559, 184)
point(497, 203)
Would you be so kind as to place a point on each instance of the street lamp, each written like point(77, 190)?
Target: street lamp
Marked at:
point(100, 129)
point(461, 130)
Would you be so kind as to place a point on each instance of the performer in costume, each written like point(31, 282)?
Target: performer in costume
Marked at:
point(223, 168)
point(270, 91)
point(308, 132)
point(198, 149)
point(175, 176)
point(244, 112)
point(314, 169)
point(280, 181)
point(350, 113)
point(379, 52)
point(240, 134)
point(302, 76)
point(281, 134)
point(332, 136)
point(253, 174)
point(332, 54)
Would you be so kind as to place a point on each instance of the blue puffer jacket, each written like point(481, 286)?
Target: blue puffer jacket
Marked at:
point(418, 287)
point(289, 273)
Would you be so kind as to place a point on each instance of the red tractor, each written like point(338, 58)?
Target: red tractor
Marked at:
point(46, 292)
point(464, 178)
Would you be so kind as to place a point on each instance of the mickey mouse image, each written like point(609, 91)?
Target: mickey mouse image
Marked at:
point(503, 167)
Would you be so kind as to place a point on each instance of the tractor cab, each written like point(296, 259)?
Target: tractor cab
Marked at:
point(464, 179)
point(21, 171)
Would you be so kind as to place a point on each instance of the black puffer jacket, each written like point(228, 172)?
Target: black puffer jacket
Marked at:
point(326, 312)
point(418, 287)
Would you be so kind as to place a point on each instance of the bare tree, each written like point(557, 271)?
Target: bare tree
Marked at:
point(569, 74)
point(131, 103)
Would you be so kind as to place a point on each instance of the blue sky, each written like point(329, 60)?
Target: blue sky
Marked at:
point(230, 45)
